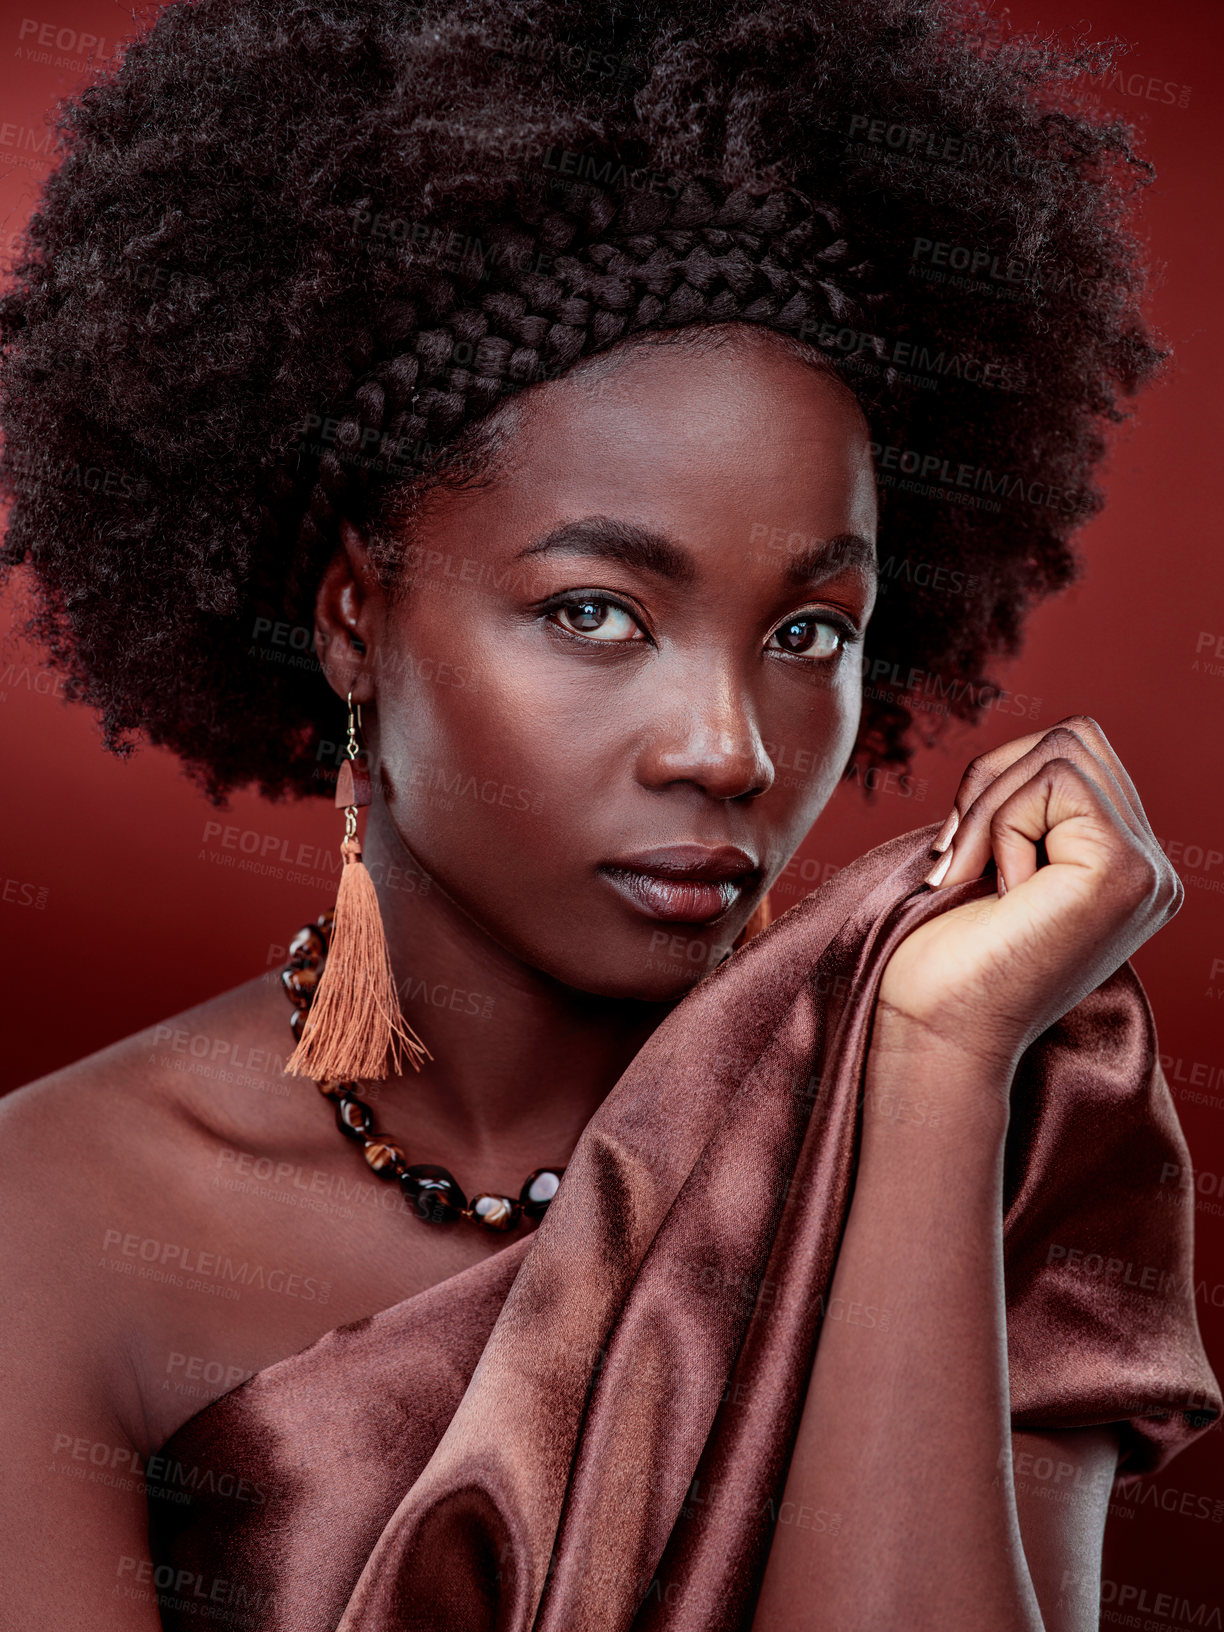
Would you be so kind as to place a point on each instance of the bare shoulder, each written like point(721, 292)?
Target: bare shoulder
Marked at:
point(71, 1141)
point(176, 1214)
point(220, 1061)
point(100, 1175)
point(115, 1149)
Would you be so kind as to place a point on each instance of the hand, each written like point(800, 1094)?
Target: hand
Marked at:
point(988, 977)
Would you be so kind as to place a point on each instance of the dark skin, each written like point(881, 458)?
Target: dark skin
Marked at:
point(616, 733)
point(650, 731)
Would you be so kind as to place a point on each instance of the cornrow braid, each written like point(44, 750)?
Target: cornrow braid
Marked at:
point(294, 252)
point(618, 267)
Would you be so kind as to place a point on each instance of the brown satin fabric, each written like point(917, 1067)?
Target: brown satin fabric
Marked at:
point(591, 1428)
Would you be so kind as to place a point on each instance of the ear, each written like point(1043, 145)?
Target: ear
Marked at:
point(350, 618)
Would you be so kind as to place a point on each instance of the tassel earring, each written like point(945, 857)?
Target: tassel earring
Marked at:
point(761, 919)
point(355, 1028)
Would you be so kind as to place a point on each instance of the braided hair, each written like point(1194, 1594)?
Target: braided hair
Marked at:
point(296, 254)
point(615, 268)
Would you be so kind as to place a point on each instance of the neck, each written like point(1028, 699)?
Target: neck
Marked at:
point(520, 1061)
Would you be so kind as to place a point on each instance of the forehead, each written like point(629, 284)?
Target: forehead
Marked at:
point(701, 439)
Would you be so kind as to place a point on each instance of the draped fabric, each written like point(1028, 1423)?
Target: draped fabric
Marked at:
point(590, 1429)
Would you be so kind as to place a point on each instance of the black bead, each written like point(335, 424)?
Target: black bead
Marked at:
point(434, 1193)
point(538, 1190)
point(494, 1212)
point(307, 949)
point(385, 1157)
point(354, 1118)
point(299, 984)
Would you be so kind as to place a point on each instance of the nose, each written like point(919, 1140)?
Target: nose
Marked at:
point(708, 736)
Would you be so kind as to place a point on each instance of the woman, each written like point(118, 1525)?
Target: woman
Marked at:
point(565, 375)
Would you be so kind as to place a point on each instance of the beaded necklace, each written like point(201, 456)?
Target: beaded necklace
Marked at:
point(433, 1191)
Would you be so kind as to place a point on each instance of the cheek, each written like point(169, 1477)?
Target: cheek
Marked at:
point(850, 706)
point(810, 743)
point(479, 748)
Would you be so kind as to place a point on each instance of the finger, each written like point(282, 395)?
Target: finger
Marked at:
point(979, 774)
point(987, 767)
point(972, 847)
point(1070, 813)
point(1103, 892)
point(1091, 735)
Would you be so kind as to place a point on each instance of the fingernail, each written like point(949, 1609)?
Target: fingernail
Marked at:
point(1001, 884)
point(936, 874)
point(946, 834)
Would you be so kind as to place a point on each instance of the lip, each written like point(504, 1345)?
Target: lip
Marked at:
point(683, 883)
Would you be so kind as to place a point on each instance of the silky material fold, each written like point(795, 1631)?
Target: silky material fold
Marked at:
point(591, 1428)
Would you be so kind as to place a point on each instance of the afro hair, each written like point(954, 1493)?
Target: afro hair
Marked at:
point(293, 252)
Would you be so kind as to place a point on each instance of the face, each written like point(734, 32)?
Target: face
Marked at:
point(622, 679)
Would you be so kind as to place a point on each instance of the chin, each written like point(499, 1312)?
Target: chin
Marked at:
point(663, 975)
point(621, 959)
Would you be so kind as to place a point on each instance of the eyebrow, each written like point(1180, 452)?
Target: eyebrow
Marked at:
point(633, 545)
point(826, 556)
point(624, 541)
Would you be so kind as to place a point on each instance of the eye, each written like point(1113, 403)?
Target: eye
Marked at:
point(807, 635)
point(596, 619)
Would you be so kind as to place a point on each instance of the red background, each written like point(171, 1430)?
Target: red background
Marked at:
point(113, 917)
